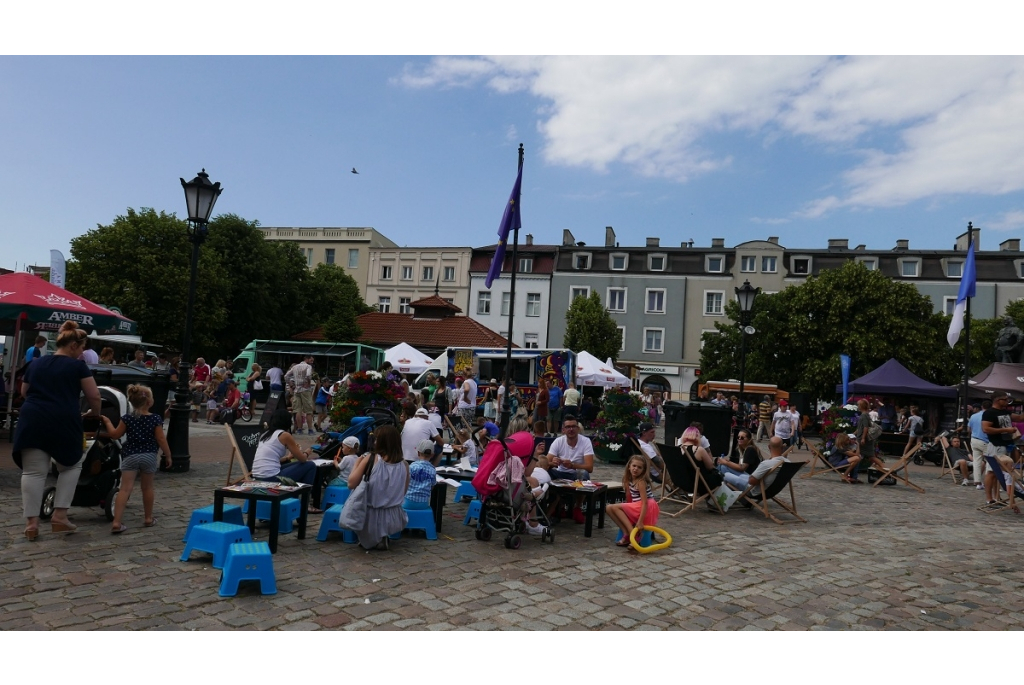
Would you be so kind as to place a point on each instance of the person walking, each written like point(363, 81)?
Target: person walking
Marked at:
point(764, 418)
point(50, 428)
point(300, 379)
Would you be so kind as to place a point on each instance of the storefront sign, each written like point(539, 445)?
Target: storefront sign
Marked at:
point(669, 370)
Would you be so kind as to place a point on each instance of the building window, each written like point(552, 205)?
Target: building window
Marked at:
point(656, 262)
point(309, 256)
point(704, 335)
point(483, 302)
point(909, 268)
point(622, 338)
point(954, 269)
point(353, 259)
point(329, 255)
point(748, 264)
point(714, 264)
point(531, 341)
point(653, 340)
point(869, 264)
point(533, 304)
point(584, 291)
point(655, 301)
point(769, 265)
point(802, 265)
point(506, 303)
point(406, 273)
point(617, 299)
point(948, 305)
point(526, 265)
point(450, 300)
point(581, 262)
point(713, 302)
point(384, 304)
point(403, 305)
point(618, 261)
point(428, 273)
point(385, 273)
point(449, 273)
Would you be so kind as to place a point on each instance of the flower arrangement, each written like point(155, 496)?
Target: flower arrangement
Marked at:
point(365, 389)
point(838, 420)
point(618, 420)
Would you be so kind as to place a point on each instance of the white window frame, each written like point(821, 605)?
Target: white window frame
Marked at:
point(403, 305)
point(664, 261)
point(578, 287)
point(506, 302)
point(704, 306)
point(590, 260)
point(707, 263)
point(622, 339)
point(386, 271)
point(384, 304)
point(608, 298)
point(444, 274)
point(707, 330)
point(870, 263)
point(406, 269)
point(662, 339)
point(625, 261)
point(536, 301)
point(353, 263)
point(906, 261)
point(647, 301)
point(526, 265)
point(1019, 264)
point(535, 342)
point(792, 264)
point(428, 273)
point(951, 262)
point(948, 303)
point(309, 256)
point(775, 264)
point(480, 300)
point(743, 264)
point(329, 254)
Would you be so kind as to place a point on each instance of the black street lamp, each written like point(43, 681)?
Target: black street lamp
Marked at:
point(745, 295)
point(200, 197)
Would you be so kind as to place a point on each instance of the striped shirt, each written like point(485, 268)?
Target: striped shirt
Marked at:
point(634, 492)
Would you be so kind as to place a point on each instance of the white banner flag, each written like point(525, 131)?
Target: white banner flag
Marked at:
point(57, 268)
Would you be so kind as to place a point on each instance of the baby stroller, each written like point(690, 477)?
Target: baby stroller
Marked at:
point(329, 443)
point(506, 499)
point(101, 468)
point(931, 451)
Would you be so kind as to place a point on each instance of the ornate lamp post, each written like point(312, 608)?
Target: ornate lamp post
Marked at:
point(745, 295)
point(200, 197)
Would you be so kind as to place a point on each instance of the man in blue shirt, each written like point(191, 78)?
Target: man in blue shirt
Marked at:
point(36, 350)
point(554, 408)
point(979, 440)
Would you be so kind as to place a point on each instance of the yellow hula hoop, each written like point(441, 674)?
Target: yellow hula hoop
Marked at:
point(651, 548)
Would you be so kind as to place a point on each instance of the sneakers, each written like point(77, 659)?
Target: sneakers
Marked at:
point(577, 515)
point(966, 482)
point(535, 530)
point(980, 487)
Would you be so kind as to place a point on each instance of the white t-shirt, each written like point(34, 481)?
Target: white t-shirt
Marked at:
point(90, 357)
point(463, 404)
point(415, 430)
point(763, 468)
point(470, 452)
point(436, 421)
point(274, 375)
point(267, 461)
point(783, 424)
point(563, 450)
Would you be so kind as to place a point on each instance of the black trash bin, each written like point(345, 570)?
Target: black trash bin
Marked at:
point(163, 394)
point(717, 422)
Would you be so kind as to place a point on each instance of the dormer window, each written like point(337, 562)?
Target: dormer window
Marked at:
point(714, 264)
point(618, 261)
point(581, 261)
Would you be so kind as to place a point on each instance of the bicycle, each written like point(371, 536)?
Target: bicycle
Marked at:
point(244, 410)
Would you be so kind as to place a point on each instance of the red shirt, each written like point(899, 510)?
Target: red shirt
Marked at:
point(233, 397)
point(202, 373)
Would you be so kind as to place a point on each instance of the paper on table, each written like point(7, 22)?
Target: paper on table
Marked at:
point(464, 464)
point(447, 449)
point(449, 481)
point(322, 462)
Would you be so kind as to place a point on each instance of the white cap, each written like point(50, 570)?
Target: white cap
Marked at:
point(351, 441)
point(421, 412)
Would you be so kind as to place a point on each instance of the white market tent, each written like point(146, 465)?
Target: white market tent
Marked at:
point(407, 359)
point(592, 371)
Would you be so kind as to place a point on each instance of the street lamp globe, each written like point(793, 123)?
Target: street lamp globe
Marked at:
point(200, 197)
point(746, 294)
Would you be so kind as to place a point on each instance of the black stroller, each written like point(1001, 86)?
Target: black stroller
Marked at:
point(101, 469)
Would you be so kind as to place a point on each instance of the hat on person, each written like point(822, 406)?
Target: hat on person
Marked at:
point(494, 381)
point(646, 426)
point(425, 447)
point(783, 403)
point(351, 441)
point(491, 428)
point(421, 412)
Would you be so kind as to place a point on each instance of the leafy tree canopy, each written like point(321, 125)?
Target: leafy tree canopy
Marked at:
point(589, 326)
point(337, 304)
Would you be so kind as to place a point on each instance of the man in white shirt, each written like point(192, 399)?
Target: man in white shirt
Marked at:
point(645, 440)
point(571, 401)
point(776, 447)
point(434, 416)
point(467, 401)
point(300, 380)
point(795, 418)
point(276, 377)
point(416, 429)
point(782, 423)
point(571, 456)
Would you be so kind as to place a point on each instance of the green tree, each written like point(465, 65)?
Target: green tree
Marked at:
point(589, 326)
point(336, 303)
point(802, 330)
point(141, 263)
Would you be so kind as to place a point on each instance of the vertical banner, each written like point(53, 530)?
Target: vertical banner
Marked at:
point(57, 268)
point(844, 363)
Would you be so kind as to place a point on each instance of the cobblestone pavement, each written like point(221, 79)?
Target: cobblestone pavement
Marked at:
point(868, 558)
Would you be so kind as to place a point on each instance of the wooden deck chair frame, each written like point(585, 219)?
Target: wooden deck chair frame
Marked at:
point(947, 464)
point(817, 456)
point(679, 493)
point(902, 465)
point(236, 458)
point(787, 470)
point(1000, 503)
point(666, 480)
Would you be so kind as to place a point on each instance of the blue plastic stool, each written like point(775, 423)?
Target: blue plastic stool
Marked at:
point(475, 509)
point(421, 519)
point(646, 538)
point(215, 538)
point(289, 512)
point(329, 524)
point(248, 561)
point(465, 489)
point(334, 494)
point(232, 514)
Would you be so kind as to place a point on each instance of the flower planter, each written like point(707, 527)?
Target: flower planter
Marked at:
point(619, 456)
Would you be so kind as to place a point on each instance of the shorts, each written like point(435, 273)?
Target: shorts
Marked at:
point(144, 462)
point(211, 404)
point(302, 402)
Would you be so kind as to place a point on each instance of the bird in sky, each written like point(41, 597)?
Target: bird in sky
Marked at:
point(354, 170)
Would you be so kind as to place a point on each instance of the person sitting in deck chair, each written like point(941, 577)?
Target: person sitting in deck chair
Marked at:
point(776, 446)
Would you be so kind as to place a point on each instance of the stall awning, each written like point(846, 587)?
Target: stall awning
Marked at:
point(318, 350)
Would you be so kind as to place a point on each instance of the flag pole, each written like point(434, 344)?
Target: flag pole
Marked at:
point(506, 405)
point(967, 338)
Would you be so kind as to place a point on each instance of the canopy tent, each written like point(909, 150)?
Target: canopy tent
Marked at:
point(892, 378)
point(1007, 378)
point(592, 371)
point(407, 359)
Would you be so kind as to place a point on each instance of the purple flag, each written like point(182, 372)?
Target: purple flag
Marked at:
point(511, 220)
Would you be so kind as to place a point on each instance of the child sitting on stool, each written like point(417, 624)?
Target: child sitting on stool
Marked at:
point(422, 477)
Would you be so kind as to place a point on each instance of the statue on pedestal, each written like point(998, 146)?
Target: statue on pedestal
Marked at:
point(1009, 343)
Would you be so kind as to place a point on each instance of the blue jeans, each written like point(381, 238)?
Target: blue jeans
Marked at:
point(300, 472)
point(734, 478)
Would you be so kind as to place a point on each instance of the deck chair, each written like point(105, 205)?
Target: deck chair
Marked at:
point(902, 465)
point(689, 486)
point(784, 472)
point(947, 463)
point(826, 467)
point(1000, 503)
point(666, 480)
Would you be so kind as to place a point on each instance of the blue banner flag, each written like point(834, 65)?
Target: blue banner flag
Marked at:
point(967, 289)
point(844, 364)
point(509, 222)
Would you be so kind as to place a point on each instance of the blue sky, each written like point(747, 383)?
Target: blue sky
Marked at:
point(871, 149)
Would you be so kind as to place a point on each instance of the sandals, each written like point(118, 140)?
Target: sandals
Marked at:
point(120, 529)
point(313, 510)
point(150, 523)
point(624, 542)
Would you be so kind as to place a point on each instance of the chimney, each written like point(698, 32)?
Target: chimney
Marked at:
point(1011, 245)
point(838, 244)
point(654, 242)
point(529, 239)
point(961, 241)
point(609, 236)
point(902, 244)
point(861, 247)
point(567, 239)
point(718, 242)
point(773, 239)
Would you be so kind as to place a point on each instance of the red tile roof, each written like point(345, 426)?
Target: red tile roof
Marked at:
point(387, 330)
point(435, 302)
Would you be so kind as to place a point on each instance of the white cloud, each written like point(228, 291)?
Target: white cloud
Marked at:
point(921, 127)
point(511, 134)
point(1009, 221)
point(769, 221)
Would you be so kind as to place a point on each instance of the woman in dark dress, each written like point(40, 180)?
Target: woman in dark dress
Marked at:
point(50, 427)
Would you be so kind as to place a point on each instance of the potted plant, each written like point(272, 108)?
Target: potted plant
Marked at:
point(616, 425)
point(365, 389)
